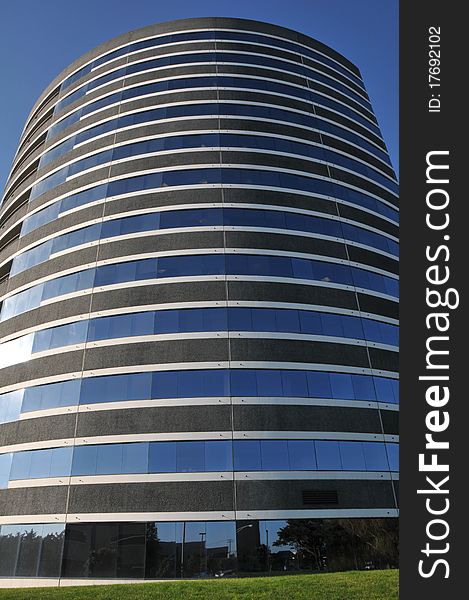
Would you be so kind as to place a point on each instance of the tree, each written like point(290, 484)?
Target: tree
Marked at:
point(340, 544)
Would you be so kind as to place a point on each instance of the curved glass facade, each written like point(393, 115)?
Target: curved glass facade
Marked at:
point(198, 327)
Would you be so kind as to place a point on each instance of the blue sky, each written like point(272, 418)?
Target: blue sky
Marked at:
point(38, 38)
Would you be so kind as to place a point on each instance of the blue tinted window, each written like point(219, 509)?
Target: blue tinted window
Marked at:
point(247, 455)
point(46, 215)
point(243, 383)
point(76, 238)
point(302, 455)
point(48, 183)
point(121, 326)
point(40, 463)
point(392, 451)
point(319, 384)
point(21, 465)
point(269, 383)
point(375, 456)
point(164, 385)
point(52, 395)
point(218, 456)
point(198, 383)
point(328, 456)
point(353, 458)
point(10, 406)
point(240, 319)
point(352, 327)
point(109, 459)
point(395, 389)
point(190, 457)
point(77, 75)
point(302, 269)
point(215, 382)
point(84, 460)
point(294, 383)
point(341, 386)
point(274, 455)
point(215, 319)
point(264, 319)
point(386, 390)
point(135, 458)
point(199, 456)
point(311, 322)
point(166, 321)
point(332, 325)
point(188, 385)
point(113, 388)
point(188, 320)
point(79, 199)
point(56, 337)
point(61, 462)
point(56, 152)
point(21, 302)
point(363, 388)
point(287, 320)
point(68, 283)
point(30, 258)
point(162, 457)
point(389, 334)
point(5, 466)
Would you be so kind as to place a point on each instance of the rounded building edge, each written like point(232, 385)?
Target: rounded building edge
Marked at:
point(191, 23)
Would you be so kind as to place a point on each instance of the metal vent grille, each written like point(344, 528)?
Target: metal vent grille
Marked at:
point(313, 497)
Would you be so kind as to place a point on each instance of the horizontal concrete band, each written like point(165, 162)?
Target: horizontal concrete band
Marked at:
point(190, 516)
point(198, 335)
point(187, 195)
point(222, 476)
point(215, 418)
point(88, 259)
point(89, 214)
point(209, 303)
point(170, 161)
point(193, 496)
point(276, 244)
point(219, 364)
point(144, 356)
point(302, 236)
point(199, 435)
point(207, 401)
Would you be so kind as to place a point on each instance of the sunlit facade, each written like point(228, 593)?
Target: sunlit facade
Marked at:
point(198, 327)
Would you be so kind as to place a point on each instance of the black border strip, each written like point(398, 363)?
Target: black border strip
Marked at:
point(422, 132)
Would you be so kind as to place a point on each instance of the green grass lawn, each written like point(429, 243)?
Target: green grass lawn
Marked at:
point(351, 585)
